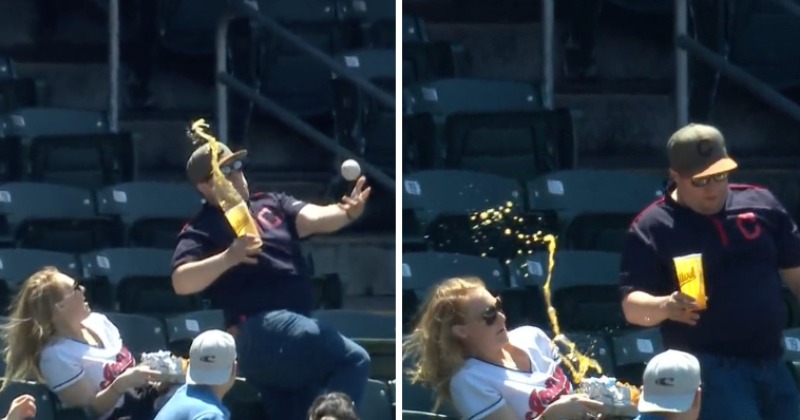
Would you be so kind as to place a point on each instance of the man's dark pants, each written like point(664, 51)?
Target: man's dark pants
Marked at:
point(291, 360)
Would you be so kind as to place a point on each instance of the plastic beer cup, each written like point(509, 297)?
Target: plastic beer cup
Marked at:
point(689, 269)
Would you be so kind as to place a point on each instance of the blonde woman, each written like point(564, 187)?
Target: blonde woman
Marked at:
point(464, 352)
point(53, 337)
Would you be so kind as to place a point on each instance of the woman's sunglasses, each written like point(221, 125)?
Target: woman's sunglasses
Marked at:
point(702, 182)
point(489, 314)
point(229, 168)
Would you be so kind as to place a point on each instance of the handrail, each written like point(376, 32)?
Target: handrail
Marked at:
point(113, 65)
point(548, 24)
point(757, 87)
point(268, 22)
point(681, 66)
point(304, 128)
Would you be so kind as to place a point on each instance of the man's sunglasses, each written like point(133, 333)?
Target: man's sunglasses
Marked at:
point(489, 314)
point(702, 182)
point(231, 167)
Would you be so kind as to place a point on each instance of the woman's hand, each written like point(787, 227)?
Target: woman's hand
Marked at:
point(135, 377)
point(23, 407)
point(573, 407)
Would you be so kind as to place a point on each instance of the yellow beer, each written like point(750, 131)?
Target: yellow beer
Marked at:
point(241, 220)
point(689, 269)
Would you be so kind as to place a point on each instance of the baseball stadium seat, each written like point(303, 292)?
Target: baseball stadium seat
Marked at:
point(140, 333)
point(424, 61)
point(140, 280)
point(45, 400)
point(376, 19)
point(296, 81)
point(17, 264)
point(183, 328)
point(429, 106)
point(594, 345)
point(67, 146)
point(376, 403)
point(188, 29)
point(51, 217)
point(594, 207)
point(632, 350)
point(414, 29)
point(151, 213)
point(423, 271)
point(17, 93)
point(363, 125)
point(584, 286)
point(419, 399)
point(375, 332)
point(446, 202)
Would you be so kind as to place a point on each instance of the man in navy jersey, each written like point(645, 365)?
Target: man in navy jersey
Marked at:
point(749, 245)
point(266, 292)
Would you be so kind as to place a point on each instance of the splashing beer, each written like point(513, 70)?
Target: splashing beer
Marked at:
point(233, 205)
point(578, 364)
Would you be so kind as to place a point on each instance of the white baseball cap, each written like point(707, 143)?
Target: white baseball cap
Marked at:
point(211, 358)
point(670, 383)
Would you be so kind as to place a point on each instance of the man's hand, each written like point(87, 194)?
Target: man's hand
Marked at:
point(680, 307)
point(353, 204)
point(242, 251)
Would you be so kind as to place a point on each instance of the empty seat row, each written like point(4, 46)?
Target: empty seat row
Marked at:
point(72, 219)
point(65, 146)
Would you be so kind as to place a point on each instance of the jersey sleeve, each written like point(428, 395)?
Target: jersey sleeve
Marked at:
point(787, 235)
point(291, 206)
point(640, 266)
point(191, 247)
point(58, 369)
point(473, 397)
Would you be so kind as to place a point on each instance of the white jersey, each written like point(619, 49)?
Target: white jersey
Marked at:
point(65, 361)
point(479, 388)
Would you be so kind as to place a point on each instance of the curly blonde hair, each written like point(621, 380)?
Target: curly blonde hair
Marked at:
point(437, 354)
point(30, 326)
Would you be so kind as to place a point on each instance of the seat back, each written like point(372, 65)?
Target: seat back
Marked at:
point(188, 29)
point(152, 213)
point(472, 96)
point(633, 349)
point(29, 219)
point(183, 328)
point(140, 333)
point(520, 145)
point(141, 279)
point(354, 323)
point(376, 403)
point(17, 264)
point(424, 271)
point(584, 286)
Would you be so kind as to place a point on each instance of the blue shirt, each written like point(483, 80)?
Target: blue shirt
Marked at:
point(193, 402)
point(743, 247)
point(280, 279)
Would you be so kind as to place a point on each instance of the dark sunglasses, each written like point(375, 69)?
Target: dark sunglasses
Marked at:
point(489, 315)
point(229, 168)
point(702, 182)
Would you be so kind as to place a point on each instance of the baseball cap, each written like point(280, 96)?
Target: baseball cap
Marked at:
point(698, 150)
point(198, 167)
point(211, 358)
point(670, 383)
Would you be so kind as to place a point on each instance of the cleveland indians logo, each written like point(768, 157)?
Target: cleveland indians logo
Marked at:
point(748, 225)
point(555, 387)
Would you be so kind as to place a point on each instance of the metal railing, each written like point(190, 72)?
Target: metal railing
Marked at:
point(113, 65)
point(226, 81)
point(685, 45)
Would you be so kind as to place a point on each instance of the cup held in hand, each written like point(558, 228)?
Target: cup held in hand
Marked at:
point(689, 269)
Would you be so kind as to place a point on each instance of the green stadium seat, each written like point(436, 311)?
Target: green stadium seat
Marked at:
point(140, 280)
point(29, 218)
point(140, 333)
point(376, 403)
point(375, 332)
point(151, 213)
point(183, 328)
point(17, 264)
point(632, 350)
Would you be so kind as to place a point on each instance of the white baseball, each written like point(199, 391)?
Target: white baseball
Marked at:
point(351, 170)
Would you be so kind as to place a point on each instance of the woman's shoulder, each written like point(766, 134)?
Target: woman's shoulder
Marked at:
point(527, 333)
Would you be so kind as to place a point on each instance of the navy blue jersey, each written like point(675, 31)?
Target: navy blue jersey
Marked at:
point(743, 247)
point(278, 281)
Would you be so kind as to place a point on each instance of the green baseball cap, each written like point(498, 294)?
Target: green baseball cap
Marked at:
point(698, 151)
point(198, 167)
